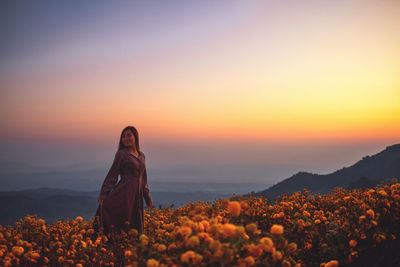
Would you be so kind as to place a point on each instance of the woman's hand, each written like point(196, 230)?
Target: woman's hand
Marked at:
point(100, 200)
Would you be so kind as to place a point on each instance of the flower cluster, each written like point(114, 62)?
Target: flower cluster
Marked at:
point(299, 229)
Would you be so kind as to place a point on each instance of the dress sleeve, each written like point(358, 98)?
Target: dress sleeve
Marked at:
point(112, 176)
point(146, 190)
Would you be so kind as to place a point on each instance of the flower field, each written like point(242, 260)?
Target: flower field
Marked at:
point(343, 228)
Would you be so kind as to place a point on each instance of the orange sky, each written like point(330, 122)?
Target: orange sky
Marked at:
point(232, 71)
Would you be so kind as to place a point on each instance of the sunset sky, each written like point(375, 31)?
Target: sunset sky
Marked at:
point(272, 83)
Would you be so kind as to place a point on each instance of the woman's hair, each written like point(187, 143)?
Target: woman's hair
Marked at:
point(135, 133)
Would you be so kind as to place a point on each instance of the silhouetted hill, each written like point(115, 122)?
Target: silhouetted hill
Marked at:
point(378, 168)
point(50, 208)
point(363, 182)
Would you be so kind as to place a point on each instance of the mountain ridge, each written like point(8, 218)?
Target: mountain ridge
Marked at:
point(379, 167)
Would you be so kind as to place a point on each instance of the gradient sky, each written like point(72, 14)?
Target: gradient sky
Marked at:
point(213, 82)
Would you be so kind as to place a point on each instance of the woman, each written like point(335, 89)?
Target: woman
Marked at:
point(121, 204)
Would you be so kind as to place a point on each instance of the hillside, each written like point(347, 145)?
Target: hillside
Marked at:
point(379, 167)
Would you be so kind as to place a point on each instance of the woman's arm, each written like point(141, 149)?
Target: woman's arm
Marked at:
point(111, 177)
point(146, 190)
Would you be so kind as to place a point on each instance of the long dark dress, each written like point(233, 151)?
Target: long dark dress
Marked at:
point(123, 201)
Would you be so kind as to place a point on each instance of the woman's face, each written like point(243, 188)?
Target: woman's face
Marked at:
point(128, 139)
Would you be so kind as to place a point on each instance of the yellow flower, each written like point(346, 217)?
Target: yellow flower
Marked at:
point(79, 219)
point(152, 263)
point(277, 229)
point(234, 207)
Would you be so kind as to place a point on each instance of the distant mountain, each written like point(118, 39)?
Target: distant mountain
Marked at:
point(367, 172)
point(52, 204)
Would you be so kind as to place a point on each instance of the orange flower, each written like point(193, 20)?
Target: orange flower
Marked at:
point(152, 263)
point(276, 229)
point(292, 247)
point(144, 239)
point(171, 247)
point(306, 214)
point(205, 223)
point(229, 229)
point(266, 240)
point(276, 256)
point(193, 241)
point(286, 263)
point(234, 207)
point(35, 255)
point(79, 219)
point(161, 248)
point(382, 193)
point(255, 250)
point(353, 243)
point(363, 236)
point(185, 231)
point(371, 213)
point(333, 263)
point(214, 245)
point(187, 256)
point(251, 228)
point(249, 261)
point(16, 250)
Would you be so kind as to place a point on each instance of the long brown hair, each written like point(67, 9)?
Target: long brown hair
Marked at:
point(135, 133)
